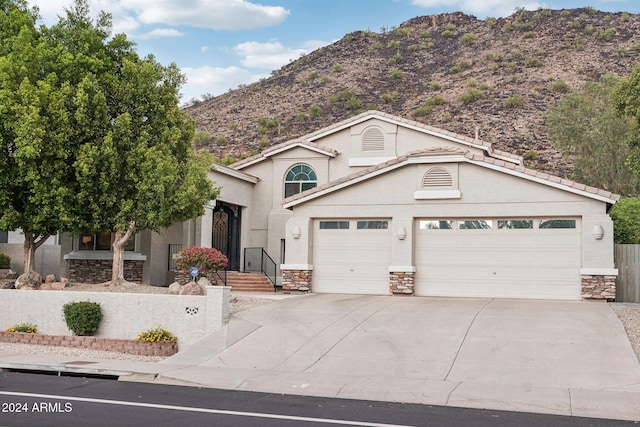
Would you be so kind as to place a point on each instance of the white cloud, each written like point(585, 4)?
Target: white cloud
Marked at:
point(495, 8)
point(161, 33)
point(272, 54)
point(215, 80)
point(213, 14)
point(204, 49)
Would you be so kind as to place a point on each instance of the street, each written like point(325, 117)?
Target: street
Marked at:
point(28, 399)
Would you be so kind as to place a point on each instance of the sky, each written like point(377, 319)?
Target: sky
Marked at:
point(222, 44)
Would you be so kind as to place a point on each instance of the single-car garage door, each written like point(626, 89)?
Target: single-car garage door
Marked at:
point(498, 258)
point(351, 256)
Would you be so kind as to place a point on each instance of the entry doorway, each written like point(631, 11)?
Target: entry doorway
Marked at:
point(226, 232)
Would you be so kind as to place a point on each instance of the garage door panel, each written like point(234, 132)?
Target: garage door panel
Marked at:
point(351, 260)
point(508, 262)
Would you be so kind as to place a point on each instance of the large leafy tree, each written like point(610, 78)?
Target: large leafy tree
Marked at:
point(36, 129)
point(585, 127)
point(135, 166)
point(627, 104)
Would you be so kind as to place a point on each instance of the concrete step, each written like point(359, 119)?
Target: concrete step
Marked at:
point(249, 282)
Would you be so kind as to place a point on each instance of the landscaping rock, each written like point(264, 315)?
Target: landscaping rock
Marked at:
point(174, 288)
point(50, 278)
point(204, 282)
point(7, 284)
point(58, 286)
point(192, 288)
point(8, 274)
point(29, 281)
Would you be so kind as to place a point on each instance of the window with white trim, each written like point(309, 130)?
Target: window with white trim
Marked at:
point(298, 179)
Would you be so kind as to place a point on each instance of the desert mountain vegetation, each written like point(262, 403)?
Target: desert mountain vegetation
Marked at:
point(495, 79)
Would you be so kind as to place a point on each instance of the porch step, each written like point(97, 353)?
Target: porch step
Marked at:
point(249, 282)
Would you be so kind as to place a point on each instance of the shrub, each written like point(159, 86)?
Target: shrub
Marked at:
point(83, 318)
point(531, 155)
point(514, 101)
point(626, 221)
point(394, 73)
point(208, 260)
point(468, 39)
point(389, 97)
point(315, 111)
point(23, 327)
point(157, 334)
point(422, 111)
point(561, 87)
point(5, 261)
point(395, 59)
point(534, 63)
point(471, 95)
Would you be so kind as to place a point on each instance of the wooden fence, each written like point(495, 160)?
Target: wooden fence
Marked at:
point(627, 259)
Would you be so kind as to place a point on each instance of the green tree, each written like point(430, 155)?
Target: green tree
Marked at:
point(626, 221)
point(135, 167)
point(37, 92)
point(585, 127)
point(627, 103)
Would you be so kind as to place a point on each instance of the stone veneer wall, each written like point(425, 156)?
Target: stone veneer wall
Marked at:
point(598, 287)
point(296, 280)
point(140, 348)
point(401, 283)
point(99, 270)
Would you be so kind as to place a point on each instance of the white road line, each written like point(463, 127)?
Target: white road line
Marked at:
point(204, 410)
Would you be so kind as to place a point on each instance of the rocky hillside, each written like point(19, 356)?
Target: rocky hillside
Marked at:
point(493, 77)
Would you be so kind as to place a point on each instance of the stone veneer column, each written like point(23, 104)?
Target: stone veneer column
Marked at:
point(599, 287)
point(296, 280)
point(401, 282)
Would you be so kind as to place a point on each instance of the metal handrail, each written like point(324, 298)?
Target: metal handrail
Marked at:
point(267, 264)
point(223, 278)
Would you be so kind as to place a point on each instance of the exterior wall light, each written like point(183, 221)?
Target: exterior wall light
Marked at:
point(598, 232)
point(402, 233)
point(296, 232)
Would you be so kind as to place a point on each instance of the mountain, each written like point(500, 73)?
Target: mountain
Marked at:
point(494, 78)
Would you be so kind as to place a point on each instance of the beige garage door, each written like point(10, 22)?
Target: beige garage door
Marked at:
point(351, 256)
point(498, 258)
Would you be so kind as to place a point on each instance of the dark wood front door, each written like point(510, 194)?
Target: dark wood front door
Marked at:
point(226, 233)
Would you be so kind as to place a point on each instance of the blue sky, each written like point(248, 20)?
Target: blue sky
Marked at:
point(221, 44)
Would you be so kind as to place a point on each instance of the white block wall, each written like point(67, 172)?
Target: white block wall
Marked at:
point(124, 315)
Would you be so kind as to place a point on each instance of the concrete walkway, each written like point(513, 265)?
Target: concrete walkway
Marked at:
point(556, 357)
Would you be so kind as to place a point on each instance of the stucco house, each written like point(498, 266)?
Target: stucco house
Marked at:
point(382, 205)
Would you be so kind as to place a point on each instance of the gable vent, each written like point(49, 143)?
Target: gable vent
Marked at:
point(373, 140)
point(437, 177)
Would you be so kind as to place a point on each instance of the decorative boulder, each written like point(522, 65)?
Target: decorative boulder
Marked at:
point(8, 274)
point(192, 288)
point(58, 286)
point(29, 281)
point(204, 282)
point(4, 284)
point(50, 278)
point(174, 288)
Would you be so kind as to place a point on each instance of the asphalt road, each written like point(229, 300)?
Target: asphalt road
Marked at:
point(28, 399)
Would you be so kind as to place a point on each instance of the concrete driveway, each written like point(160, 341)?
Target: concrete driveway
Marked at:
point(559, 357)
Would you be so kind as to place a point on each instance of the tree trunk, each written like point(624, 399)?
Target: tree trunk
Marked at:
point(117, 270)
point(31, 243)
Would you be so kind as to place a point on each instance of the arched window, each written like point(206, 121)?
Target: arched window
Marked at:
point(298, 179)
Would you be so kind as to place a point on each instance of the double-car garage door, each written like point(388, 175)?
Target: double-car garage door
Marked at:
point(497, 258)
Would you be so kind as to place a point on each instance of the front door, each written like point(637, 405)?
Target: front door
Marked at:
point(226, 232)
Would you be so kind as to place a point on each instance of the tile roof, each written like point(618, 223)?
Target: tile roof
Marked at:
point(301, 142)
point(465, 156)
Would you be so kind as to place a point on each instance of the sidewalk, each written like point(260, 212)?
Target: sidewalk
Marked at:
point(450, 352)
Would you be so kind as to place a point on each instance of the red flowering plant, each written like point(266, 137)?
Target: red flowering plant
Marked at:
point(208, 260)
